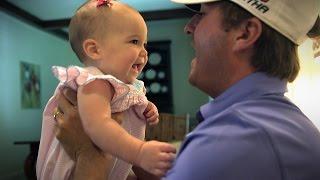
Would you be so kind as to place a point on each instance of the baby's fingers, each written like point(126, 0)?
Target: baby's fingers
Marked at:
point(153, 120)
point(164, 165)
point(168, 148)
point(167, 157)
point(152, 112)
point(159, 172)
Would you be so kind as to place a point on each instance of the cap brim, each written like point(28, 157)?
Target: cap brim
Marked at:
point(193, 1)
point(193, 5)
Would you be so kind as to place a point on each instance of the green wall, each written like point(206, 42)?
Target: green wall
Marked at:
point(22, 42)
point(186, 99)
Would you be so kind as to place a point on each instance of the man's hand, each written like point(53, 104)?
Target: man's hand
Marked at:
point(141, 174)
point(69, 129)
point(91, 162)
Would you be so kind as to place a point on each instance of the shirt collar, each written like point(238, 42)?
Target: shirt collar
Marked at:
point(253, 85)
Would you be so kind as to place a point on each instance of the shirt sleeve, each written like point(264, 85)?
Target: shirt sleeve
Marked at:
point(226, 148)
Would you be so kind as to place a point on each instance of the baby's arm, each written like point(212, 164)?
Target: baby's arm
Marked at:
point(151, 114)
point(95, 112)
point(94, 108)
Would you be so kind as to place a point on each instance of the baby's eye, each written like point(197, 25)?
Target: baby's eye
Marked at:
point(134, 41)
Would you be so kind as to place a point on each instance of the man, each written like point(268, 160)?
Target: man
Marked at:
point(245, 53)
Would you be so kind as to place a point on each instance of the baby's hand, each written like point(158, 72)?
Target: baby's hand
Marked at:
point(156, 157)
point(151, 114)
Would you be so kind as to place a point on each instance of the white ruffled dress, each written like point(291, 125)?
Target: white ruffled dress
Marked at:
point(53, 163)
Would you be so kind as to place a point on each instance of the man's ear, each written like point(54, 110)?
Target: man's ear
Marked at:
point(92, 49)
point(247, 34)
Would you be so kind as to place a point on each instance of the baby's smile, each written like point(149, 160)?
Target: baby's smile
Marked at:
point(137, 67)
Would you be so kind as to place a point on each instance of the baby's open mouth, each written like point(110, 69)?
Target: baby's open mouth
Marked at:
point(137, 67)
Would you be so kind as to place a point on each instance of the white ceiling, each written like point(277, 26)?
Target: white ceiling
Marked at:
point(61, 9)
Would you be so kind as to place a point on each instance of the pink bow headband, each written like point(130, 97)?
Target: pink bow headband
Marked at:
point(104, 3)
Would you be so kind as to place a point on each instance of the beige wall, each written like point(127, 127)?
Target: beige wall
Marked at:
point(305, 90)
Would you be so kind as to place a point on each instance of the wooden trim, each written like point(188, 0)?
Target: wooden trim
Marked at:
point(59, 33)
point(167, 14)
point(25, 16)
point(19, 13)
point(54, 26)
point(148, 16)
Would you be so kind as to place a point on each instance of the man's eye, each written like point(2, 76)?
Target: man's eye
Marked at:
point(201, 14)
point(134, 41)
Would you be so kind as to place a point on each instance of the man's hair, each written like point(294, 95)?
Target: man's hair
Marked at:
point(315, 30)
point(273, 53)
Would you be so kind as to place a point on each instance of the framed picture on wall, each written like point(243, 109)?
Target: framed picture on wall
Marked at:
point(30, 85)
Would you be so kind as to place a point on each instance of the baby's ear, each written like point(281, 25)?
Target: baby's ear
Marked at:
point(92, 49)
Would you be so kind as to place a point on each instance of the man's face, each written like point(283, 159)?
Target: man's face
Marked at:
point(211, 67)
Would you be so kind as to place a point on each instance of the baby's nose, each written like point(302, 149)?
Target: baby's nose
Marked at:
point(144, 53)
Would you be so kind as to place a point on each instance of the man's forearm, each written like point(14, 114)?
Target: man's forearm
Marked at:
point(92, 166)
point(143, 175)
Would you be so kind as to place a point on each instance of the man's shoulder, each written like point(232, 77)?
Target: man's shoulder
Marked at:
point(260, 134)
point(226, 142)
point(273, 120)
point(260, 111)
point(274, 124)
point(265, 114)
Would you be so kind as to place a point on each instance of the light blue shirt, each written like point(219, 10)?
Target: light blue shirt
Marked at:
point(250, 132)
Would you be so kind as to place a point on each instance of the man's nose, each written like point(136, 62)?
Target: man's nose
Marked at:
point(191, 25)
point(187, 29)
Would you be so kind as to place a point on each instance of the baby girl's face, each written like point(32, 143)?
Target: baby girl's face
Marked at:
point(124, 53)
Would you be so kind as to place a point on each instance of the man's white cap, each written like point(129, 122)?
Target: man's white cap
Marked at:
point(292, 18)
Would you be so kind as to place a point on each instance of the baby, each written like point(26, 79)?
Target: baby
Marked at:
point(109, 38)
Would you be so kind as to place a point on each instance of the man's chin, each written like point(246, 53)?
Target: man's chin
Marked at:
point(192, 80)
point(192, 73)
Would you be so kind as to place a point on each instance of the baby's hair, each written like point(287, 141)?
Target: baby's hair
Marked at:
point(83, 25)
point(89, 21)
